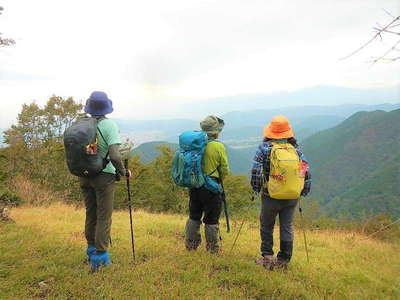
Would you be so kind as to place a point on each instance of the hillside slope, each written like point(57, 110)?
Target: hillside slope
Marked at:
point(356, 164)
point(44, 260)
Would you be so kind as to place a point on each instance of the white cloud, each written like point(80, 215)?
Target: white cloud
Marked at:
point(152, 55)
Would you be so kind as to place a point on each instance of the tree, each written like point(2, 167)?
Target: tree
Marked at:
point(37, 126)
point(238, 194)
point(6, 41)
point(163, 192)
point(35, 149)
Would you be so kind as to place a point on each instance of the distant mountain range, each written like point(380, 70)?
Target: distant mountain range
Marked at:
point(355, 165)
point(244, 129)
point(317, 95)
point(246, 115)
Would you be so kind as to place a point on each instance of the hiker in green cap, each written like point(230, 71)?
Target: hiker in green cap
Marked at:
point(204, 205)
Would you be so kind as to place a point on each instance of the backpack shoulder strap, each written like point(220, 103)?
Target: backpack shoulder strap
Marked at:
point(267, 162)
point(212, 172)
point(214, 140)
point(102, 136)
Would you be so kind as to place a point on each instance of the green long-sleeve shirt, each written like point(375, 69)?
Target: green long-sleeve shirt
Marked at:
point(215, 158)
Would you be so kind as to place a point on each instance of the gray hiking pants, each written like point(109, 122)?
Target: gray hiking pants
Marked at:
point(270, 208)
point(98, 193)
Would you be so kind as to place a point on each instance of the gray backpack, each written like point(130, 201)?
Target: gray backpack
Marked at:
point(81, 148)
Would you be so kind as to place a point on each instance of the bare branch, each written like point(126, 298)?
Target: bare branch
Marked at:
point(385, 30)
point(394, 25)
point(373, 38)
point(383, 57)
point(388, 13)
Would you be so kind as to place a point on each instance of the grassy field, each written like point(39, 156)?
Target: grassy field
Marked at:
point(42, 256)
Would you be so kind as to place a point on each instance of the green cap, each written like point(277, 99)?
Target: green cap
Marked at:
point(212, 125)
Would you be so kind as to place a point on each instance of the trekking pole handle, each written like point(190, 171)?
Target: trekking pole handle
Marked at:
point(128, 173)
point(126, 162)
point(228, 227)
point(130, 209)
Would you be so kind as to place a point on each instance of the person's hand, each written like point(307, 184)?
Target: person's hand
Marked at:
point(128, 174)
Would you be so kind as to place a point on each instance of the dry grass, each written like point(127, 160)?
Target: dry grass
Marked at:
point(41, 257)
point(32, 193)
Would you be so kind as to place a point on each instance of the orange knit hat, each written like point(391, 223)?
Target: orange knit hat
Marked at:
point(278, 128)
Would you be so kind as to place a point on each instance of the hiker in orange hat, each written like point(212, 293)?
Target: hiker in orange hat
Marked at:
point(281, 174)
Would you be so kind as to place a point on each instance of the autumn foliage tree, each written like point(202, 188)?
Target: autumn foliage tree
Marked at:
point(35, 147)
point(5, 41)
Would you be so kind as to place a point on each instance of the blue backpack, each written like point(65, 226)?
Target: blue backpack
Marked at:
point(187, 168)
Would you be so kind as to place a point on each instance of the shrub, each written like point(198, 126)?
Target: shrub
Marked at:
point(32, 192)
point(8, 198)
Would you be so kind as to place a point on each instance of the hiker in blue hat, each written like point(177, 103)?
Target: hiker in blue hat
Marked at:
point(98, 191)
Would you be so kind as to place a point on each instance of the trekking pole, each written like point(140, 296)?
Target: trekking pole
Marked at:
point(130, 208)
point(228, 227)
point(240, 229)
point(304, 230)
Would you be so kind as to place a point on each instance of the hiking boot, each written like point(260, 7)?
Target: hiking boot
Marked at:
point(99, 259)
point(90, 251)
point(281, 264)
point(191, 245)
point(192, 234)
point(286, 250)
point(267, 262)
point(213, 249)
point(212, 238)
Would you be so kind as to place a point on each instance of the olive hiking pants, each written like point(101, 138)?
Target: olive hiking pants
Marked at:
point(98, 193)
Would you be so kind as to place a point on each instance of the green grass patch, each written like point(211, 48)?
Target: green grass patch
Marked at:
point(42, 256)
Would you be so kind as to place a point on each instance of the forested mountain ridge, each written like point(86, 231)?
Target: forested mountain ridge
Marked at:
point(356, 165)
point(239, 159)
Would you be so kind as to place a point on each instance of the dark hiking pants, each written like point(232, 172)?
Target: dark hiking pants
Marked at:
point(98, 193)
point(203, 206)
point(270, 208)
point(202, 201)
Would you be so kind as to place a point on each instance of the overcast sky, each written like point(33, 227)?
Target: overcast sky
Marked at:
point(152, 55)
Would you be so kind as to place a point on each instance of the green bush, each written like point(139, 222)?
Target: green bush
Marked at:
point(8, 198)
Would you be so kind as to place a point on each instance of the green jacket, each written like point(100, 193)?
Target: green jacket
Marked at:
point(215, 158)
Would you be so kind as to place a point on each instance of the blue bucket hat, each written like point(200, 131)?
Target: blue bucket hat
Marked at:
point(98, 104)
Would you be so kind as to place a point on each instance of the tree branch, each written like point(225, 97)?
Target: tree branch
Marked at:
point(378, 34)
point(383, 57)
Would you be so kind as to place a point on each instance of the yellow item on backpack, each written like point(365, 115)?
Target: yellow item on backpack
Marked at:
point(285, 178)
